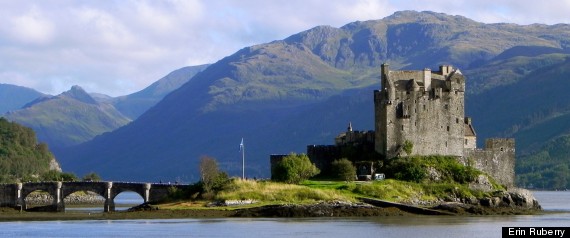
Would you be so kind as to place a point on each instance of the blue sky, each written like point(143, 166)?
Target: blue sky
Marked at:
point(119, 47)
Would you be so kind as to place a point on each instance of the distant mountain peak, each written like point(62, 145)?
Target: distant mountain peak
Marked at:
point(77, 93)
point(425, 16)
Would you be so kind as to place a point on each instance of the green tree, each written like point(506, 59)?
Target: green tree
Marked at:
point(294, 168)
point(211, 177)
point(343, 169)
point(92, 177)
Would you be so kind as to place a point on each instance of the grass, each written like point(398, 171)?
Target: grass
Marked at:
point(399, 191)
point(278, 193)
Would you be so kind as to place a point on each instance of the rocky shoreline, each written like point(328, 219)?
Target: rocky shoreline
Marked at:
point(511, 202)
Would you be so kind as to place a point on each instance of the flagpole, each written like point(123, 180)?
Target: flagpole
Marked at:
point(242, 160)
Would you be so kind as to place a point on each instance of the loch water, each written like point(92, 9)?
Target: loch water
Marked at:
point(555, 204)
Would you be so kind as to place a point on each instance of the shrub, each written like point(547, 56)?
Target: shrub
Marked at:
point(343, 170)
point(294, 168)
point(406, 169)
point(92, 177)
point(408, 147)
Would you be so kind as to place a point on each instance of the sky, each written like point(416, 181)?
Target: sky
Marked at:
point(118, 47)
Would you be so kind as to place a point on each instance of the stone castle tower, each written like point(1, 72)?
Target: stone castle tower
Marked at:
point(426, 109)
point(422, 107)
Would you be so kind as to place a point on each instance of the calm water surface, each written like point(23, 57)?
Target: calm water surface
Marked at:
point(556, 203)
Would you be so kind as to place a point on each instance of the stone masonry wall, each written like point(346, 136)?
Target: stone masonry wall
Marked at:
point(497, 159)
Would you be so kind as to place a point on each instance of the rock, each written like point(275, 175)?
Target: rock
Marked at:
point(454, 207)
point(433, 174)
point(523, 198)
point(490, 201)
point(481, 183)
point(143, 207)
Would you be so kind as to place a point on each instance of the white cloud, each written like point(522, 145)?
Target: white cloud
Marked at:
point(31, 27)
point(118, 47)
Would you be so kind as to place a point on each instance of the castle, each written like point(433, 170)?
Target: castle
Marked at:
point(424, 111)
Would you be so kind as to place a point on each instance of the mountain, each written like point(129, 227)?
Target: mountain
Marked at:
point(69, 118)
point(286, 94)
point(13, 97)
point(135, 104)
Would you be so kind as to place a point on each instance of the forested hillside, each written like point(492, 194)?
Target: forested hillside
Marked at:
point(22, 158)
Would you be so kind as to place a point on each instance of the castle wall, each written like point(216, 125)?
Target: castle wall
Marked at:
point(323, 156)
point(497, 159)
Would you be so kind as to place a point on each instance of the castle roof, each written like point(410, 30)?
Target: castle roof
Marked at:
point(469, 130)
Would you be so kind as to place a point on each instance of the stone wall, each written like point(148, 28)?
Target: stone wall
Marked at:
point(497, 159)
point(7, 195)
point(323, 156)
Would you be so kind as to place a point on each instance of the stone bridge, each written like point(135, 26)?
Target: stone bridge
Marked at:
point(14, 195)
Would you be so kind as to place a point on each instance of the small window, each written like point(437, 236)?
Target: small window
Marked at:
point(466, 141)
point(456, 120)
point(447, 128)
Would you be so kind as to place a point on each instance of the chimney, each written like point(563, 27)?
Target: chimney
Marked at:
point(385, 69)
point(427, 79)
point(445, 69)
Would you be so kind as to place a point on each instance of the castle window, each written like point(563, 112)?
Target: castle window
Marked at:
point(456, 120)
point(402, 127)
point(424, 107)
point(466, 141)
point(446, 106)
point(502, 149)
point(447, 128)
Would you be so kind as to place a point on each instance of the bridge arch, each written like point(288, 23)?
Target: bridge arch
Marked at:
point(52, 188)
point(72, 187)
